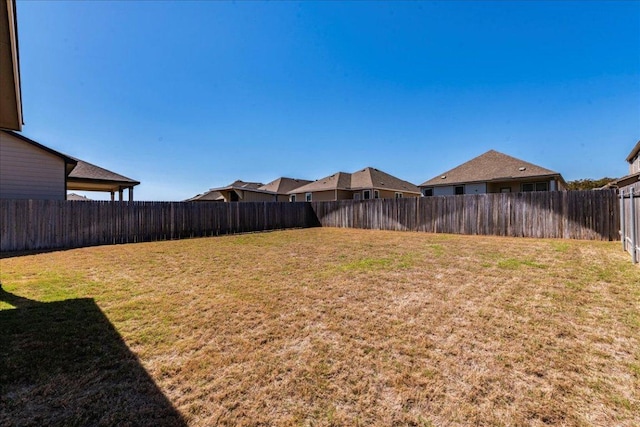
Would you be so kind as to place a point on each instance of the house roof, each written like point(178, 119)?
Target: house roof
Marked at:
point(363, 179)
point(633, 153)
point(10, 86)
point(209, 196)
point(69, 161)
point(625, 181)
point(239, 185)
point(284, 185)
point(88, 172)
point(77, 197)
point(490, 166)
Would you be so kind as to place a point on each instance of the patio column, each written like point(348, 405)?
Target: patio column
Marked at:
point(120, 195)
point(131, 194)
point(113, 196)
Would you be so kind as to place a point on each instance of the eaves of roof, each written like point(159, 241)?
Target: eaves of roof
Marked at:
point(633, 153)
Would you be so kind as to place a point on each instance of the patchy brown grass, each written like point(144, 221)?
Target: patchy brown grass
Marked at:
point(353, 327)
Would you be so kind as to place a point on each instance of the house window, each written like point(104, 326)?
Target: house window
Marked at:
point(542, 186)
point(398, 195)
point(292, 198)
point(535, 186)
point(505, 190)
point(427, 192)
point(366, 194)
point(356, 196)
point(376, 194)
point(459, 189)
point(307, 197)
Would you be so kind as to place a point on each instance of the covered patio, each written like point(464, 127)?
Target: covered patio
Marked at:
point(89, 177)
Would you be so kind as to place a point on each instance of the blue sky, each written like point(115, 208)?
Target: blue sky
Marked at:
point(185, 96)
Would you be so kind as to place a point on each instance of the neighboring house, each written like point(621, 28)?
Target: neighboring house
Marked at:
point(10, 92)
point(77, 198)
point(240, 191)
point(493, 172)
point(30, 170)
point(368, 183)
point(89, 177)
point(633, 179)
point(282, 186)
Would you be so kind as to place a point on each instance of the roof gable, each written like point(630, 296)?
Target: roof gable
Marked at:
point(490, 166)
point(633, 153)
point(337, 181)
point(374, 178)
point(368, 177)
point(283, 185)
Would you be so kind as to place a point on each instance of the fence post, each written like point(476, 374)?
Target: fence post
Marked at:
point(632, 228)
point(623, 236)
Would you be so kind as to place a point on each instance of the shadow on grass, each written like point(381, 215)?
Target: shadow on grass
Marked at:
point(63, 363)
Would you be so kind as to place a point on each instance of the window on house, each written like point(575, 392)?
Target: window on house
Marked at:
point(376, 194)
point(542, 186)
point(398, 195)
point(307, 197)
point(366, 194)
point(427, 192)
point(459, 189)
point(535, 186)
point(292, 198)
point(505, 190)
point(356, 196)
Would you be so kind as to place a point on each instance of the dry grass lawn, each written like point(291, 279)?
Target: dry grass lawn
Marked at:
point(324, 327)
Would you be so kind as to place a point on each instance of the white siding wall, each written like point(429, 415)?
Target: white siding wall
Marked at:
point(444, 191)
point(28, 172)
point(475, 188)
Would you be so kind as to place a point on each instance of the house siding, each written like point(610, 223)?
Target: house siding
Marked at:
point(634, 166)
point(250, 196)
point(27, 172)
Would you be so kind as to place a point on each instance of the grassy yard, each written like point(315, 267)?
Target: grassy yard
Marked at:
point(323, 327)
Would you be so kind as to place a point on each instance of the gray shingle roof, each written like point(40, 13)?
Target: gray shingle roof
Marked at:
point(88, 171)
point(284, 185)
point(490, 166)
point(365, 178)
point(209, 196)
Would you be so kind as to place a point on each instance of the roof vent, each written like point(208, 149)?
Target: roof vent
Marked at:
point(522, 169)
point(444, 177)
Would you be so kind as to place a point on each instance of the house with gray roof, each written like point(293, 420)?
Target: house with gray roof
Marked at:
point(493, 172)
point(367, 183)
point(241, 191)
point(30, 170)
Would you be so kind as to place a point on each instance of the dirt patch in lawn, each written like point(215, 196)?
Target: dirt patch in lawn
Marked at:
point(328, 327)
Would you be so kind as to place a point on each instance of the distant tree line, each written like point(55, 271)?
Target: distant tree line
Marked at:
point(588, 184)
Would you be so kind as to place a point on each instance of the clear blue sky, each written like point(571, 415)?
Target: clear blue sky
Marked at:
point(185, 96)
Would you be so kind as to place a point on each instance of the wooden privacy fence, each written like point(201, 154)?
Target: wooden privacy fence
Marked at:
point(51, 224)
point(630, 223)
point(591, 215)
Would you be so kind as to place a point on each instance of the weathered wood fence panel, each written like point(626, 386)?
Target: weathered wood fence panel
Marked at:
point(51, 224)
point(630, 223)
point(590, 215)
point(41, 224)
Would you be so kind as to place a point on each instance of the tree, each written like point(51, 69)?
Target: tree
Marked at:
point(588, 184)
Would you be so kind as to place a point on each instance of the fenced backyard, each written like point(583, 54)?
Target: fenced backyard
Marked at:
point(630, 223)
point(39, 225)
